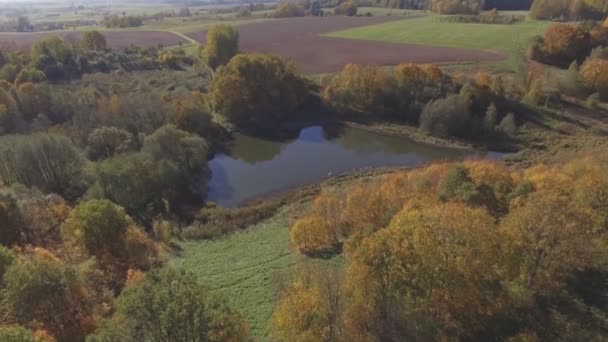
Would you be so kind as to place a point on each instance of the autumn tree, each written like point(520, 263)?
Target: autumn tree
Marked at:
point(564, 43)
point(257, 92)
point(320, 230)
point(594, 73)
point(551, 237)
point(360, 90)
point(310, 307)
point(287, 9)
point(93, 40)
point(457, 6)
point(171, 305)
point(222, 44)
point(432, 253)
point(348, 8)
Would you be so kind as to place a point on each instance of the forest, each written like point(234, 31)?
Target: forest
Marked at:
point(106, 156)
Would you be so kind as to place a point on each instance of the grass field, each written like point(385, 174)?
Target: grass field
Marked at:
point(430, 31)
point(242, 266)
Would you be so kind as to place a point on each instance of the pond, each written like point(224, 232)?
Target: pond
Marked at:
point(256, 167)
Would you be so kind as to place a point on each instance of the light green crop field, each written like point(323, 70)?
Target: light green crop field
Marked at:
point(242, 266)
point(429, 30)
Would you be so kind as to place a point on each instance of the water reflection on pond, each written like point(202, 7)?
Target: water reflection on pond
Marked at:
point(256, 167)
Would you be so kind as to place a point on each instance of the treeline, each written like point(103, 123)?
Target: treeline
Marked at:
point(286, 9)
point(470, 251)
point(569, 9)
point(55, 59)
point(116, 21)
point(501, 5)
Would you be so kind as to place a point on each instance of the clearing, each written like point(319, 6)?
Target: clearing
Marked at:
point(242, 266)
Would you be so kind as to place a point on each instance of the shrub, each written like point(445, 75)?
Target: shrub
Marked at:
point(348, 8)
point(257, 92)
point(447, 117)
point(222, 44)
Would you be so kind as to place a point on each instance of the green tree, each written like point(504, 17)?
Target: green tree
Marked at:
point(94, 40)
point(257, 92)
point(11, 220)
point(39, 288)
point(101, 226)
point(169, 305)
point(458, 185)
point(105, 142)
point(222, 44)
point(447, 117)
point(48, 162)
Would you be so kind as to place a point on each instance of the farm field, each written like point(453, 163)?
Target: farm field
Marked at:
point(429, 30)
point(302, 40)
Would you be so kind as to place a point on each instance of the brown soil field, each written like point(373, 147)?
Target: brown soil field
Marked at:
point(115, 39)
point(300, 39)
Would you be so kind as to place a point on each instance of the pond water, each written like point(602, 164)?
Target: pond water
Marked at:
point(255, 167)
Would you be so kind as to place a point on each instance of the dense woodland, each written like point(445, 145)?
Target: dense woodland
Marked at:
point(469, 251)
point(103, 163)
